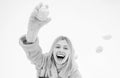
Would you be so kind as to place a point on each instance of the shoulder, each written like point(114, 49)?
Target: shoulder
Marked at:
point(76, 74)
point(43, 62)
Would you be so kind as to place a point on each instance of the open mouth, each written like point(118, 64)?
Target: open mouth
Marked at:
point(60, 57)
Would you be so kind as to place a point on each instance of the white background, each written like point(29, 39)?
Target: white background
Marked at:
point(83, 21)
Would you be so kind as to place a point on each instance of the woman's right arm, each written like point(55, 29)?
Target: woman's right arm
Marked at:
point(29, 42)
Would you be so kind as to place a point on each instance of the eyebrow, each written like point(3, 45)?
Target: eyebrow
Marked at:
point(65, 45)
point(58, 44)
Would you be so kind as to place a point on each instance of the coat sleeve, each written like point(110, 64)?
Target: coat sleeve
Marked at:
point(32, 50)
point(76, 74)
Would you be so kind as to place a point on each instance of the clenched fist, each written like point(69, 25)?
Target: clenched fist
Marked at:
point(39, 17)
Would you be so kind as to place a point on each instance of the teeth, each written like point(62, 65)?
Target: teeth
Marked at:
point(60, 57)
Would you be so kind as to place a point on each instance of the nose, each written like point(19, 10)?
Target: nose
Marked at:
point(62, 49)
point(61, 52)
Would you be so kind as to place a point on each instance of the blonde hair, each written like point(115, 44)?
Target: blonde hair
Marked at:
point(70, 67)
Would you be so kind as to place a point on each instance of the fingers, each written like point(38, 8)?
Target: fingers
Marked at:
point(40, 14)
point(47, 6)
point(48, 20)
point(45, 22)
point(38, 7)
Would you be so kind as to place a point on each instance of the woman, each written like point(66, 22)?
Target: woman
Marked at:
point(59, 62)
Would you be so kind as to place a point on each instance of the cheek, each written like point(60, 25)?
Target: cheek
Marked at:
point(55, 52)
point(67, 54)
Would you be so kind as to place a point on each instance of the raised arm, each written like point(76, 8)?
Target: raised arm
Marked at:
point(37, 20)
point(29, 42)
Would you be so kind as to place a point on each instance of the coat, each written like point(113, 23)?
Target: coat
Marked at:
point(45, 64)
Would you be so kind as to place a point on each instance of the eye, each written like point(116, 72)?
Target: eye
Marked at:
point(57, 47)
point(66, 48)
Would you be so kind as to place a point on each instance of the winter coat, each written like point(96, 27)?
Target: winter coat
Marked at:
point(45, 64)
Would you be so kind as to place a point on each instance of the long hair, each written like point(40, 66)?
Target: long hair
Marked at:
point(70, 66)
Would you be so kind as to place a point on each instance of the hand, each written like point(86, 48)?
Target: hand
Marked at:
point(39, 17)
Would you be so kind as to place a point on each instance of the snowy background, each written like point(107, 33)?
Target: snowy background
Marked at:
point(93, 27)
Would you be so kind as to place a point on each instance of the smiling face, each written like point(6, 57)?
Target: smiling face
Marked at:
point(61, 51)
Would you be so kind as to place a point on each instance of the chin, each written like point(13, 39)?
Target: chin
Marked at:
point(61, 62)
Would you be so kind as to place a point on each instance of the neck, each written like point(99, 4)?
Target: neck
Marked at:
point(60, 66)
